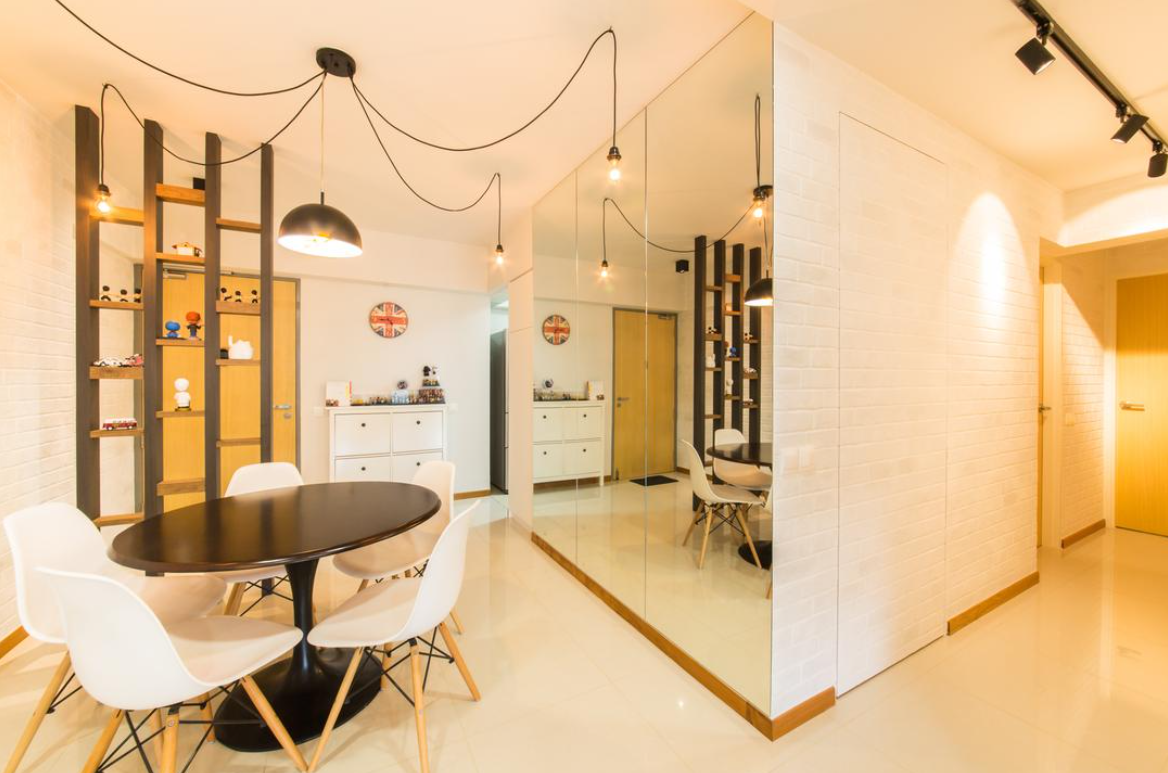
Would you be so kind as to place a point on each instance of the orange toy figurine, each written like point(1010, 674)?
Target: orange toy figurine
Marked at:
point(193, 325)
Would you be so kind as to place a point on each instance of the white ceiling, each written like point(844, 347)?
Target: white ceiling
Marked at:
point(455, 72)
point(956, 58)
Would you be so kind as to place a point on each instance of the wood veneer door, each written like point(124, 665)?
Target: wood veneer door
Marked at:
point(661, 438)
point(1141, 464)
point(645, 374)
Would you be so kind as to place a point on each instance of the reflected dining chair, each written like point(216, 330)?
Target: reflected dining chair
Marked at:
point(128, 660)
point(745, 476)
point(250, 479)
point(714, 502)
point(59, 536)
point(408, 552)
point(399, 612)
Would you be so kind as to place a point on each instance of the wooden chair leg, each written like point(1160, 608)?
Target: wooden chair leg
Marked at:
point(738, 511)
point(103, 741)
point(208, 716)
point(335, 711)
point(156, 727)
point(273, 722)
point(419, 705)
point(234, 599)
point(457, 623)
point(459, 661)
point(364, 584)
point(169, 761)
point(706, 536)
point(38, 713)
point(696, 519)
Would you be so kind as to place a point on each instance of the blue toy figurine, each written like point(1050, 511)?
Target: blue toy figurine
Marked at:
point(172, 328)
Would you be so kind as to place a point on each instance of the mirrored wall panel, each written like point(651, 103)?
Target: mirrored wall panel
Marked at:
point(652, 396)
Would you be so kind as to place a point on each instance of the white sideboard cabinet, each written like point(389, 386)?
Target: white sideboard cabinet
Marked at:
point(384, 442)
point(569, 440)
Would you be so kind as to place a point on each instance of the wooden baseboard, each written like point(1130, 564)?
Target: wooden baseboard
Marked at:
point(486, 492)
point(982, 608)
point(1083, 533)
point(9, 642)
point(760, 720)
point(571, 483)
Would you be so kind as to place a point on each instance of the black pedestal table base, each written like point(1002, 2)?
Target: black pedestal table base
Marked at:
point(763, 546)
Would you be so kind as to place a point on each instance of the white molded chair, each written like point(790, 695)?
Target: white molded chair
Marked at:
point(716, 499)
point(59, 536)
point(128, 660)
point(250, 479)
point(406, 552)
point(400, 611)
point(745, 476)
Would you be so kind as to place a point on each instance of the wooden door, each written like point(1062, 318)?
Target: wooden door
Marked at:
point(239, 385)
point(645, 374)
point(1141, 464)
point(1041, 397)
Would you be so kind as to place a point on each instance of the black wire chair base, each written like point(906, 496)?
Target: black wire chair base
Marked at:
point(429, 652)
point(62, 695)
point(265, 592)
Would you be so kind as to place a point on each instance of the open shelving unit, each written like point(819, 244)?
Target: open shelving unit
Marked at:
point(152, 416)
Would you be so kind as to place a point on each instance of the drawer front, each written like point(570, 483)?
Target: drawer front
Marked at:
point(420, 431)
point(548, 461)
point(583, 458)
point(406, 465)
point(547, 424)
point(376, 468)
point(354, 435)
point(589, 423)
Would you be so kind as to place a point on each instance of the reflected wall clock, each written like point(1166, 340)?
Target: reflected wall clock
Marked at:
point(556, 330)
point(388, 320)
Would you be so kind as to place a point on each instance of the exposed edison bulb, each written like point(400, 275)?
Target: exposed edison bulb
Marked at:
point(758, 204)
point(499, 254)
point(604, 269)
point(759, 207)
point(614, 159)
point(103, 199)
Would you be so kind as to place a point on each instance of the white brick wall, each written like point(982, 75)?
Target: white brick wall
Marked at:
point(987, 282)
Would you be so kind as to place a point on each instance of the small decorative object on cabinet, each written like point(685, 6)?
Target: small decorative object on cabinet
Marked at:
point(172, 328)
point(193, 326)
point(556, 330)
point(182, 398)
point(338, 394)
point(239, 349)
point(105, 293)
point(569, 440)
point(388, 320)
point(594, 390)
point(115, 425)
point(431, 392)
point(401, 395)
point(386, 443)
point(186, 248)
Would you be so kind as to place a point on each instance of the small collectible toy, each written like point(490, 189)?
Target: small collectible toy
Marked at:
point(732, 351)
point(123, 293)
point(182, 398)
point(711, 330)
point(238, 296)
point(130, 361)
point(750, 338)
point(186, 248)
point(113, 425)
point(224, 295)
point(172, 328)
point(255, 296)
point(137, 295)
point(193, 324)
point(105, 296)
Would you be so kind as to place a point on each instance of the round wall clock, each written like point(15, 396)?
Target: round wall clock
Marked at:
point(556, 330)
point(389, 320)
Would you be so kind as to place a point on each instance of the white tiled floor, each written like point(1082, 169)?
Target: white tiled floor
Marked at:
point(1072, 676)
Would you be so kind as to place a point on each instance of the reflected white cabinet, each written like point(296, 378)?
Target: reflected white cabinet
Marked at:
point(569, 440)
point(384, 442)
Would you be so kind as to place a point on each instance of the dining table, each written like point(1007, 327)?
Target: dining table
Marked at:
point(293, 527)
point(760, 455)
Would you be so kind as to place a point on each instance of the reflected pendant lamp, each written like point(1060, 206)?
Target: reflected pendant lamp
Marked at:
point(761, 293)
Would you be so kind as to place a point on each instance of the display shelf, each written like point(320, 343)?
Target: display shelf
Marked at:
point(235, 363)
point(187, 342)
point(240, 309)
point(234, 442)
point(178, 414)
point(120, 519)
point(119, 215)
point(243, 226)
point(98, 433)
point(176, 194)
point(118, 305)
point(175, 258)
point(180, 486)
point(116, 374)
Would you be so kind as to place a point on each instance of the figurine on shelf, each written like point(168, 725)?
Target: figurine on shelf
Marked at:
point(749, 371)
point(401, 395)
point(123, 295)
point(137, 295)
point(186, 248)
point(105, 293)
point(172, 328)
point(711, 361)
point(224, 297)
point(750, 338)
point(255, 296)
point(732, 351)
point(711, 330)
point(193, 318)
point(239, 349)
point(238, 296)
point(182, 398)
point(115, 425)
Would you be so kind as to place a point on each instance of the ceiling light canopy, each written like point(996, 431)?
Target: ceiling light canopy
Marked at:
point(1034, 54)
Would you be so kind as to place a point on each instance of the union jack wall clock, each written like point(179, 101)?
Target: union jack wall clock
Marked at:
point(389, 320)
point(556, 330)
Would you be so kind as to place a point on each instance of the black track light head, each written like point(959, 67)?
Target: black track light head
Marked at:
point(1132, 123)
point(1034, 54)
point(1158, 164)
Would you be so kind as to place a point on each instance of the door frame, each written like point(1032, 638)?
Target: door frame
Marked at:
point(676, 370)
point(1051, 331)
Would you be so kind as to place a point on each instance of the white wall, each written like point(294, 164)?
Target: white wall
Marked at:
point(447, 329)
point(1120, 208)
point(995, 214)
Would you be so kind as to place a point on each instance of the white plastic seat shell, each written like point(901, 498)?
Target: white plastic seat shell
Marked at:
point(252, 479)
point(736, 473)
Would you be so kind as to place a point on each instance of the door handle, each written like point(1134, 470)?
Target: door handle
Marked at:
point(1126, 406)
point(282, 407)
point(1043, 408)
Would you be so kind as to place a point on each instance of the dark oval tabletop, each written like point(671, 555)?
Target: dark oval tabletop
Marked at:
point(275, 527)
point(746, 453)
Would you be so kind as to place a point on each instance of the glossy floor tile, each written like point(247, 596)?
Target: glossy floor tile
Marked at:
point(1071, 676)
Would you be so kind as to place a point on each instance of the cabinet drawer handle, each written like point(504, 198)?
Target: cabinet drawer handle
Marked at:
point(545, 453)
point(418, 422)
point(585, 450)
point(585, 416)
point(362, 424)
point(362, 469)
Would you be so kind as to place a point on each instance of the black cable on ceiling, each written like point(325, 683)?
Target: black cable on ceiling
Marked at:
point(608, 200)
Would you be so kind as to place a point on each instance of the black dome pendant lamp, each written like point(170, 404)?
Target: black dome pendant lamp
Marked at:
point(318, 229)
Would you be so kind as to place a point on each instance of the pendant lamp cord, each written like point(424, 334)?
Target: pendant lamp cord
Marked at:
point(662, 247)
point(499, 209)
point(322, 82)
point(757, 141)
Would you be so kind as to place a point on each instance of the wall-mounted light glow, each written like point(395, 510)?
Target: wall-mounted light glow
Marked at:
point(103, 199)
point(604, 269)
point(614, 159)
point(1034, 54)
point(499, 254)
